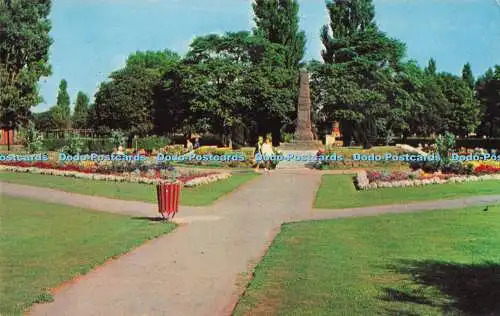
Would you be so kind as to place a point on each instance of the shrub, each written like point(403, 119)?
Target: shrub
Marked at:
point(204, 150)
point(117, 138)
point(54, 144)
point(100, 145)
point(431, 166)
point(454, 167)
point(152, 142)
point(210, 140)
point(248, 152)
point(75, 144)
point(287, 137)
point(445, 144)
point(223, 151)
point(32, 140)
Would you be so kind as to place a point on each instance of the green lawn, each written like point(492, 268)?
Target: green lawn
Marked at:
point(338, 191)
point(202, 195)
point(431, 263)
point(43, 245)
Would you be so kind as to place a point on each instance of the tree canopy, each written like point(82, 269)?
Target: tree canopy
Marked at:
point(24, 55)
point(278, 22)
point(80, 115)
point(61, 112)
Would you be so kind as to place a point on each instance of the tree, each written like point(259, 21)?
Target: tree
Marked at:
point(461, 114)
point(467, 76)
point(127, 101)
point(61, 111)
point(81, 110)
point(44, 121)
point(24, 55)
point(237, 79)
point(360, 62)
point(488, 94)
point(431, 67)
point(278, 21)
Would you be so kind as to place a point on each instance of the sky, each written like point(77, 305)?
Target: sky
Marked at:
point(94, 37)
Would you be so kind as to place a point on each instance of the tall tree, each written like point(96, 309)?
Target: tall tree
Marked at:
point(278, 21)
point(360, 61)
point(347, 19)
point(488, 94)
point(81, 110)
point(62, 111)
point(431, 67)
point(467, 76)
point(24, 55)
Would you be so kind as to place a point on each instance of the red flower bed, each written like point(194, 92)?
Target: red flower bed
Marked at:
point(77, 168)
point(185, 179)
point(485, 169)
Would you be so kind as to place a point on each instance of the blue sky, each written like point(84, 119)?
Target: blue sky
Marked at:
point(94, 37)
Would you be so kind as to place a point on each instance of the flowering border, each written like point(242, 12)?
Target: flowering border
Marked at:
point(363, 183)
point(115, 178)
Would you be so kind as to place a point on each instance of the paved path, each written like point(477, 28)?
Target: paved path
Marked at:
point(194, 270)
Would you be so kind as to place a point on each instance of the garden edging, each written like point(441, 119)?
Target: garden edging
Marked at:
point(363, 183)
point(116, 178)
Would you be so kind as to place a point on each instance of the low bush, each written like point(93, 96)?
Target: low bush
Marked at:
point(223, 151)
point(152, 142)
point(100, 145)
point(173, 150)
point(488, 143)
point(210, 140)
point(456, 167)
point(54, 144)
point(248, 152)
point(205, 150)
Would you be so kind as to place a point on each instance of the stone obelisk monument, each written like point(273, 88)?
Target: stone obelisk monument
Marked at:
point(303, 130)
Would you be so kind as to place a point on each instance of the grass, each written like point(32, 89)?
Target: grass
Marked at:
point(43, 245)
point(338, 191)
point(198, 196)
point(431, 263)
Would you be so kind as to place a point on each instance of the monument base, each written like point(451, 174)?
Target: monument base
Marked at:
point(302, 145)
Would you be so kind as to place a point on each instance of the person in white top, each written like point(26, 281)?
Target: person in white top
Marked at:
point(267, 151)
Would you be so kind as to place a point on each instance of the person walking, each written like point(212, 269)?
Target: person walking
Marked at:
point(267, 152)
point(258, 152)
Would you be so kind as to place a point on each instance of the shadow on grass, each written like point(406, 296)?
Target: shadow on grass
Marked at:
point(470, 289)
point(150, 219)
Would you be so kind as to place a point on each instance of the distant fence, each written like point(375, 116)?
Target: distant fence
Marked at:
point(61, 133)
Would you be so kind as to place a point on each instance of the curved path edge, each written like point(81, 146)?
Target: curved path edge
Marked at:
point(195, 269)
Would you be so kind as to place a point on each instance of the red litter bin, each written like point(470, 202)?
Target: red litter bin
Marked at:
point(168, 195)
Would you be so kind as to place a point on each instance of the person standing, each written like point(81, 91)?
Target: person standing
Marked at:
point(189, 145)
point(196, 143)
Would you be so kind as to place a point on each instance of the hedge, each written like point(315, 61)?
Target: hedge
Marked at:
point(488, 143)
point(152, 142)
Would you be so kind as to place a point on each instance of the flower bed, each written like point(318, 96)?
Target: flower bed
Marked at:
point(367, 180)
point(151, 176)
